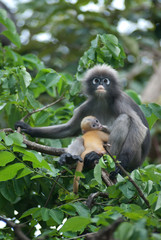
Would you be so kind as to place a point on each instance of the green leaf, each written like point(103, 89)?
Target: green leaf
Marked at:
point(124, 231)
point(8, 141)
point(36, 176)
point(151, 120)
point(57, 215)
point(156, 109)
point(29, 212)
point(97, 173)
point(13, 37)
point(75, 224)
point(113, 191)
point(11, 32)
point(45, 213)
point(69, 209)
point(102, 163)
point(2, 147)
point(10, 171)
point(146, 110)
point(81, 209)
point(127, 189)
point(158, 203)
point(26, 76)
point(134, 96)
point(7, 191)
point(17, 138)
point(36, 159)
point(79, 174)
point(24, 172)
point(6, 157)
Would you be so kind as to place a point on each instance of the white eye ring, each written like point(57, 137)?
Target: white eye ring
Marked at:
point(95, 80)
point(106, 80)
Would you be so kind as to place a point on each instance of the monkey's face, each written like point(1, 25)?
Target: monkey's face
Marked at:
point(90, 123)
point(100, 85)
point(101, 81)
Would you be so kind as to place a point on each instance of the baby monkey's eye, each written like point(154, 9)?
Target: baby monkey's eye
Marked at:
point(93, 125)
point(95, 80)
point(106, 80)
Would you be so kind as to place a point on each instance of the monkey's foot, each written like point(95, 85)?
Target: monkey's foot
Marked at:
point(91, 159)
point(67, 158)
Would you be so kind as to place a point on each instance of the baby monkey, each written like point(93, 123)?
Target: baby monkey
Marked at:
point(95, 135)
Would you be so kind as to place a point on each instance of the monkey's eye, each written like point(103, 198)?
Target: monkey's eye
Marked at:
point(106, 81)
point(95, 80)
point(93, 125)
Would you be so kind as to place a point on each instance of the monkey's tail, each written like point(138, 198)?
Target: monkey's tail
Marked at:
point(79, 168)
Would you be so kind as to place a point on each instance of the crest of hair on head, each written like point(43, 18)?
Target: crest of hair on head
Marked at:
point(100, 70)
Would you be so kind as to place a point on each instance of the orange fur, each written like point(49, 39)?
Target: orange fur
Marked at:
point(93, 141)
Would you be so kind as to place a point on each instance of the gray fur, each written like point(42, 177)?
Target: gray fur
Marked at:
point(76, 147)
point(129, 137)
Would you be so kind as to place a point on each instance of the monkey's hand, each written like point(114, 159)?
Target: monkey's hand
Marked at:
point(24, 127)
point(67, 158)
point(113, 174)
point(91, 159)
point(123, 163)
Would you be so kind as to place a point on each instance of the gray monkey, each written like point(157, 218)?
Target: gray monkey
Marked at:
point(129, 131)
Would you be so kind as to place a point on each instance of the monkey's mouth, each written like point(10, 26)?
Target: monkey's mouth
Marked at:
point(100, 92)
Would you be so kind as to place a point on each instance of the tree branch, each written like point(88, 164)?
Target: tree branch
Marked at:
point(39, 147)
point(92, 196)
point(105, 233)
point(44, 149)
point(17, 229)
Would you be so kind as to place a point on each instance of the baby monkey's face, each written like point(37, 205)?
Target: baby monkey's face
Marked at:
point(90, 123)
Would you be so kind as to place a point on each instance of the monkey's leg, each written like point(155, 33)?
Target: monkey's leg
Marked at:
point(73, 152)
point(79, 168)
point(119, 134)
point(117, 139)
point(126, 139)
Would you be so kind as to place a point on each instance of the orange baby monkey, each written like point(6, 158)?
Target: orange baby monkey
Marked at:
point(94, 139)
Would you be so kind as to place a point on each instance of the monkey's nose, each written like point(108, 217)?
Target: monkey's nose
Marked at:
point(101, 88)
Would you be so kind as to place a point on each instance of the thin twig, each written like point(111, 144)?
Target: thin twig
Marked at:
point(17, 229)
point(105, 177)
point(130, 179)
point(51, 191)
point(92, 196)
point(43, 108)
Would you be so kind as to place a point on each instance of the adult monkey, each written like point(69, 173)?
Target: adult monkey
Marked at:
point(129, 131)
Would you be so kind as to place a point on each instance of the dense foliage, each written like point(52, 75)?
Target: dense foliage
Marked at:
point(34, 189)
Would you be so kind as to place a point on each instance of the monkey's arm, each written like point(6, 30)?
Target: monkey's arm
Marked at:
point(126, 139)
point(105, 129)
point(69, 129)
point(73, 152)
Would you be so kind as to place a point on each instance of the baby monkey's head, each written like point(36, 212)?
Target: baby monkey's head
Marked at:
point(90, 123)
